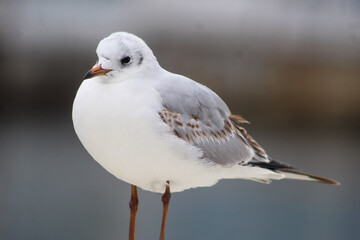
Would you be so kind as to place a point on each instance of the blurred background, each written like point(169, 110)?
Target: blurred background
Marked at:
point(292, 68)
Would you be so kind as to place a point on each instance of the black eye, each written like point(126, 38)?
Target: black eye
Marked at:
point(125, 60)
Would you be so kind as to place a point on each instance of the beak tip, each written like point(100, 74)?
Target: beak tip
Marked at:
point(88, 75)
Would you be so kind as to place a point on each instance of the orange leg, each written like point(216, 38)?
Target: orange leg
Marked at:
point(165, 200)
point(134, 201)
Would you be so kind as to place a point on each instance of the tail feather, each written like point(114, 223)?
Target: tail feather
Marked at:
point(291, 172)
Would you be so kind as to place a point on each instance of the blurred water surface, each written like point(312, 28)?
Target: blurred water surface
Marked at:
point(292, 68)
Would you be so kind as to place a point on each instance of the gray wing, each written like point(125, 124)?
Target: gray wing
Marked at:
point(199, 116)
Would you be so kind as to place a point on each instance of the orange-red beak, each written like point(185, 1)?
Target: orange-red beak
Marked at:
point(96, 71)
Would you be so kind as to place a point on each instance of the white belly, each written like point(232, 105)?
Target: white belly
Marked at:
point(120, 127)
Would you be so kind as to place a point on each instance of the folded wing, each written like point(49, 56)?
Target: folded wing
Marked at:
point(199, 116)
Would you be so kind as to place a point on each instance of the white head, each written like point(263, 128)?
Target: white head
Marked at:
point(122, 54)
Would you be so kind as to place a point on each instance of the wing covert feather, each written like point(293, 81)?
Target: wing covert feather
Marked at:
point(199, 116)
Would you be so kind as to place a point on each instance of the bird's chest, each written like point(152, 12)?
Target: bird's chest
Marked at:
point(117, 122)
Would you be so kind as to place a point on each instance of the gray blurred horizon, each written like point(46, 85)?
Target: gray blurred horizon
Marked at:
point(292, 68)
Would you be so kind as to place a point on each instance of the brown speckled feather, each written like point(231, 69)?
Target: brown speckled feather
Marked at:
point(224, 146)
point(237, 120)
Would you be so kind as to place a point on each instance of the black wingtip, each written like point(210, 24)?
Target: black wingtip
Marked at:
point(282, 167)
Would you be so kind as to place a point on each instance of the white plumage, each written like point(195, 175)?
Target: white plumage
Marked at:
point(117, 117)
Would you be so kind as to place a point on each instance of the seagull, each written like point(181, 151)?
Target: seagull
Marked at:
point(164, 132)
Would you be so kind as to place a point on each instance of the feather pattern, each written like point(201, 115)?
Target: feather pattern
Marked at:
point(260, 152)
point(197, 115)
